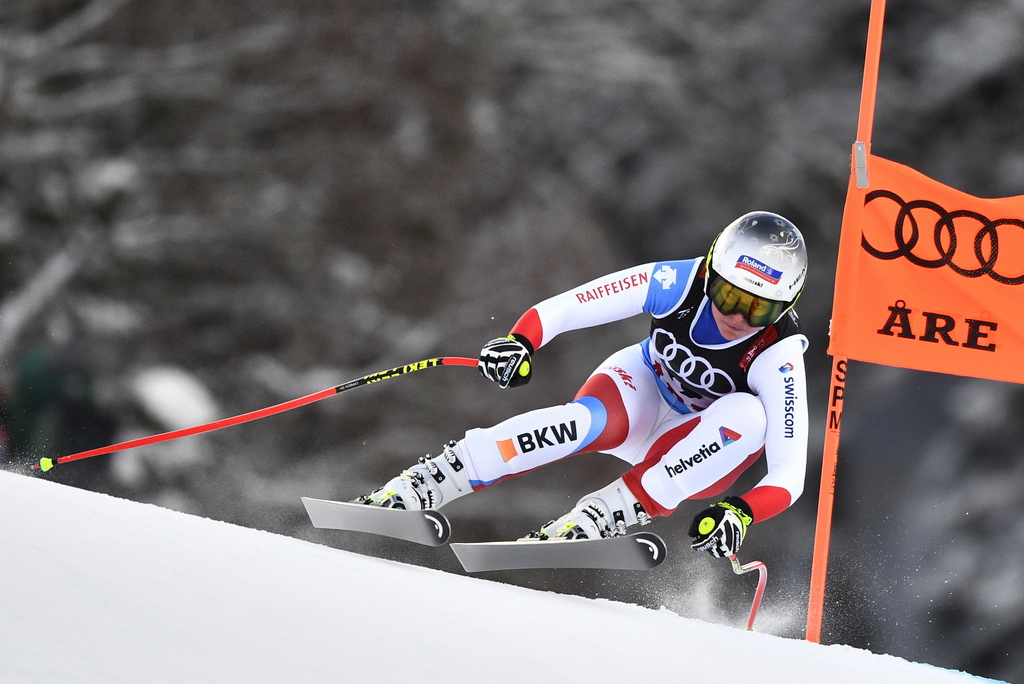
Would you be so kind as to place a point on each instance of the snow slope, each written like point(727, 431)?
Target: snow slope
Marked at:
point(99, 589)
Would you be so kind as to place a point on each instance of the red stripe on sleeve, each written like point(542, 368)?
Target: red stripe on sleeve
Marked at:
point(767, 501)
point(530, 327)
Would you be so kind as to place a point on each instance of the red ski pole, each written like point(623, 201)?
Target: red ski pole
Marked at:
point(47, 463)
point(762, 579)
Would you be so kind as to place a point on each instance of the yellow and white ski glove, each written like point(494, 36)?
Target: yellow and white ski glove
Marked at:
point(507, 361)
point(720, 528)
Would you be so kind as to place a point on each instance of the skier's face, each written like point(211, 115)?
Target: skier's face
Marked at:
point(758, 311)
point(734, 326)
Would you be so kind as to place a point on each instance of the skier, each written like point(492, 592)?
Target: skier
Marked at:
point(719, 382)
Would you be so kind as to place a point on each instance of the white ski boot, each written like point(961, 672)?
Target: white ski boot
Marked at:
point(431, 483)
point(605, 513)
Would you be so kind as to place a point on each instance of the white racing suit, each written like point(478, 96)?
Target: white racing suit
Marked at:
point(687, 409)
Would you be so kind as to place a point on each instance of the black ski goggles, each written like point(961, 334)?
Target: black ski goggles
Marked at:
point(729, 299)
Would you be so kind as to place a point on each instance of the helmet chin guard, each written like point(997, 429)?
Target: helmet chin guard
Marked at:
point(763, 254)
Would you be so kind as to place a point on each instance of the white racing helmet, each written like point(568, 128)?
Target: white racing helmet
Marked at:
point(757, 266)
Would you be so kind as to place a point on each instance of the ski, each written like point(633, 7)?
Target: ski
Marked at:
point(428, 527)
point(640, 551)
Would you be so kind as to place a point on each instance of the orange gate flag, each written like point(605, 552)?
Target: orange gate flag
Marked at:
point(929, 277)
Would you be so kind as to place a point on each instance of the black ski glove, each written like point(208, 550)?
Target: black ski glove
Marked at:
point(507, 361)
point(720, 528)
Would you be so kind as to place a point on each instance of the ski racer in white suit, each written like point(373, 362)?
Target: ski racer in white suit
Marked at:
point(718, 383)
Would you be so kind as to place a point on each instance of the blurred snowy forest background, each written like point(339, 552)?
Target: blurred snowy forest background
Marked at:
point(208, 207)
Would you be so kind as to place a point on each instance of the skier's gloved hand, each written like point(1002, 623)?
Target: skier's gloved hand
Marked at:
point(720, 528)
point(507, 361)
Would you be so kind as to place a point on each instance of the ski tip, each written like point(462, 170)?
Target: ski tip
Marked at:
point(654, 545)
point(442, 528)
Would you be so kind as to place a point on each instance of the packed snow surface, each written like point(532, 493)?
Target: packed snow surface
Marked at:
point(99, 589)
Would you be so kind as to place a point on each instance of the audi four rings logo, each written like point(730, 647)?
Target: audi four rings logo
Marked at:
point(945, 239)
point(693, 370)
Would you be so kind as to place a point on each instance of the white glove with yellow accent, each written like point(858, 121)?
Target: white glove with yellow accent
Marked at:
point(720, 528)
point(507, 361)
